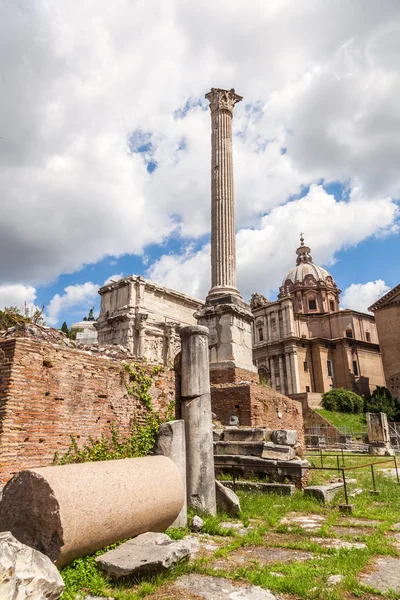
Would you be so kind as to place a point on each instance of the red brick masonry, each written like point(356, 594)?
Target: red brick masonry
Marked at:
point(48, 392)
point(257, 406)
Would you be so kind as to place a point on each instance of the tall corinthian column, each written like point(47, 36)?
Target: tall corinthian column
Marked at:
point(223, 243)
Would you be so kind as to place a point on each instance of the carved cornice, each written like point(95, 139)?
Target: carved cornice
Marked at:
point(223, 99)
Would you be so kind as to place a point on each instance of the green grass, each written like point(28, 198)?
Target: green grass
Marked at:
point(264, 513)
point(352, 423)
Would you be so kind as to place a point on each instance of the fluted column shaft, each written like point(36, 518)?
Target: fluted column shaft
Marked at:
point(223, 241)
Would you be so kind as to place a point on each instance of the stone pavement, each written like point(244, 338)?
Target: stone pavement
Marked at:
point(204, 587)
point(385, 574)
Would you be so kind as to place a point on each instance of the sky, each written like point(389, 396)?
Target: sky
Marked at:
point(105, 144)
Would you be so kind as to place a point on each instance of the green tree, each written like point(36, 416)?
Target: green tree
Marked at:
point(64, 328)
point(342, 400)
point(382, 400)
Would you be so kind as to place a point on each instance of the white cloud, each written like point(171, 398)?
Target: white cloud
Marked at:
point(115, 277)
point(266, 253)
point(359, 296)
point(320, 79)
point(18, 295)
point(84, 295)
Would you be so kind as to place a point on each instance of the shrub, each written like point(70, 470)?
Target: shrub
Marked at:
point(342, 400)
point(382, 400)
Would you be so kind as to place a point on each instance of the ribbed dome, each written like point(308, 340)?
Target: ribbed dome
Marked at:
point(298, 273)
point(305, 266)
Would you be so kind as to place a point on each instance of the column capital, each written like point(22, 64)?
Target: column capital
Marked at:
point(223, 99)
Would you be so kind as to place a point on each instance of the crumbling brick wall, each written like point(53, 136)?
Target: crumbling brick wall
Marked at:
point(48, 392)
point(257, 406)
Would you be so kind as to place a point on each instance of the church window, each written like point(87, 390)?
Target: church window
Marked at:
point(260, 335)
point(349, 333)
point(368, 336)
point(307, 388)
point(312, 304)
point(331, 305)
point(305, 366)
point(329, 367)
point(355, 368)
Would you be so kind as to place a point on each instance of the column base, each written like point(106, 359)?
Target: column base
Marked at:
point(221, 291)
point(229, 321)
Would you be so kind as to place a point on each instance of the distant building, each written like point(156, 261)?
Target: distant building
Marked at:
point(387, 317)
point(302, 342)
point(85, 332)
point(144, 317)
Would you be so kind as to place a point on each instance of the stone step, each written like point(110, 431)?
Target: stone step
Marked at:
point(249, 434)
point(284, 489)
point(297, 468)
point(324, 493)
point(261, 449)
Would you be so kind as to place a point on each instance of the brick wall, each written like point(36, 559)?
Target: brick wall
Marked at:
point(49, 392)
point(388, 324)
point(257, 405)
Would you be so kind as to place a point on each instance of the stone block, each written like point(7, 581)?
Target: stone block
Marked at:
point(147, 554)
point(286, 437)
point(74, 510)
point(171, 442)
point(248, 434)
point(283, 489)
point(26, 573)
point(227, 500)
point(271, 450)
point(324, 493)
point(261, 449)
point(293, 468)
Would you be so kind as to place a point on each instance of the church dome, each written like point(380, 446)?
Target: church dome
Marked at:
point(305, 266)
point(312, 289)
point(298, 273)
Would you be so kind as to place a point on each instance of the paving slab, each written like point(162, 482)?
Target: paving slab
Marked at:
point(217, 588)
point(351, 522)
point(201, 547)
point(148, 553)
point(338, 544)
point(308, 523)
point(324, 493)
point(384, 575)
point(260, 554)
point(356, 531)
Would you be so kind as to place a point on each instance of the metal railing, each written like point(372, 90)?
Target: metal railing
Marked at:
point(236, 469)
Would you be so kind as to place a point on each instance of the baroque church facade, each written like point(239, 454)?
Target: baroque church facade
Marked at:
point(303, 342)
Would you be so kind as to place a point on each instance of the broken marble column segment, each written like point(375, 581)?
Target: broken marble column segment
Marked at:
point(26, 573)
point(74, 510)
point(196, 413)
point(147, 554)
point(171, 442)
point(379, 434)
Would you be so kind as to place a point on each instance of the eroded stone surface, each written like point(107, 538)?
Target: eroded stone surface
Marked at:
point(218, 588)
point(357, 531)
point(26, 573)
point(261, 555)
point(359, 522)
point(338, 544)
point(227, 500)
point(385, 575)
point(201, 546)
point(149, 553)
point(308, 523)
